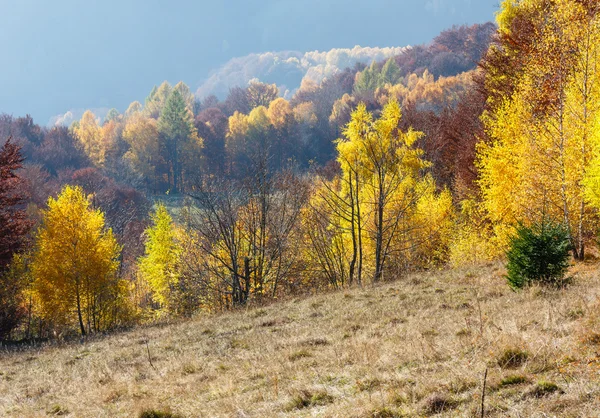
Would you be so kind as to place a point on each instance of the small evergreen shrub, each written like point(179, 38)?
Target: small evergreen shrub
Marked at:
point(538, 253)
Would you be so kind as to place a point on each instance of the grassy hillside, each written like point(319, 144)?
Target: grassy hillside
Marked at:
point(414, 347)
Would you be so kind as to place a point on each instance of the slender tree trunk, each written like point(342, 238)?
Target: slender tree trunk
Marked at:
point(235, 291)
point(563, 174)
point(175, 175)
point(359, 227)
point(29, 315)
point(379, 234)
point(79, 313)
point(586, 97)
point(353, 231)
point(246, 279)
point(263, 227)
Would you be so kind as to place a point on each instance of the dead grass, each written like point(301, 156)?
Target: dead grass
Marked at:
point(410, 348)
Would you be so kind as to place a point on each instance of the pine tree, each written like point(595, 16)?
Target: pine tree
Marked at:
point(180, 142)
point(390, 73)
point(538, 253)
point(367, 80)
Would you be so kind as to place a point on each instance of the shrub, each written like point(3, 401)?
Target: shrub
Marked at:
point(513, 380)
point(439, 402)
point(544, 388)
point(512, 357)
point(538, 253)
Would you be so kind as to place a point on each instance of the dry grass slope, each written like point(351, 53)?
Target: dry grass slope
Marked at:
point(416, 347)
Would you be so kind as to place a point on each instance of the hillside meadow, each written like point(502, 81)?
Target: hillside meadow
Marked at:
point(418, 346)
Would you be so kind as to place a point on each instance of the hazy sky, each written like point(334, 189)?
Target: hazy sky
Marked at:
point(67, 54)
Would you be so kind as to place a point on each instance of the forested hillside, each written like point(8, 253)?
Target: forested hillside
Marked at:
point(180, 205)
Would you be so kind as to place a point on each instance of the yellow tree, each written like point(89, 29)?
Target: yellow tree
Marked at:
point(346, 204)
point(236, 139)
point(157, 99)
point(141, 134)
point(379, 201)
point(158, 266)
point(279, 112)
point(542, 132)
point(111, 133)
point(324, 228)
point(427, 240)
point(134, 107)
point(584, 118)
point(89, 133)
point(259, 141)
point(75, 264)
point(391, 165)
point(261, 94)
point(238, 126)
point(258, 120)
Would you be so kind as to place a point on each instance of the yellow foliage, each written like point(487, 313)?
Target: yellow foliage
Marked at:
point(383, 204)
point(238, 126)
point(258, 119)
point(159, 265)
point(545, 136)
point(141, 134)
point(75, 264)
point(305, 113)
point(471, 241)
point(90, 135)
point(433, 224)
point(426, 93)
point(279, 111)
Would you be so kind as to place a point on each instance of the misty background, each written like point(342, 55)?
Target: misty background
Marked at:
point(69, 55)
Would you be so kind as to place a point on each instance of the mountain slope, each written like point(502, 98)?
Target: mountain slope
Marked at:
point(418, 346)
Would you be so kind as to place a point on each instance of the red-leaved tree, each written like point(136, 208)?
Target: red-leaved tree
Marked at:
point(14, 227)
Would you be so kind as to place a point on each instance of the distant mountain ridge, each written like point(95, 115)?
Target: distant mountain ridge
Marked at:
point(452, 52)
point(287, 69)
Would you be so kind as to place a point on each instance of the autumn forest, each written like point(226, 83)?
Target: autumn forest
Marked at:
point(178, 206)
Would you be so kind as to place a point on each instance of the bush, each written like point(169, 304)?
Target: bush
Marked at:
point(438, 403)
point(544, 388)
point(513, 380)
point(539, 253)
point(511, 358)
